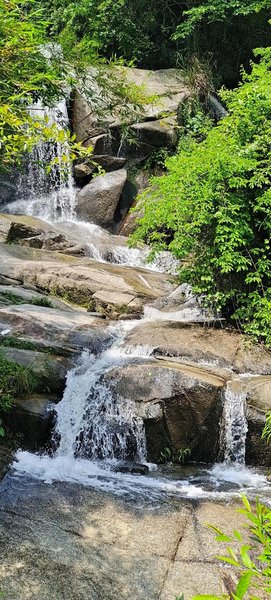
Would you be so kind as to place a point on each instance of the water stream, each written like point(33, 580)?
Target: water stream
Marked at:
point(95, 428)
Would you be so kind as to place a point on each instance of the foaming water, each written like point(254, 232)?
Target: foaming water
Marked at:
point(91, 421)
point(217, 483)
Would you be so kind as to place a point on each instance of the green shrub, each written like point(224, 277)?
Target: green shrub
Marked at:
point(251, 561)
point(213, 207)
point(15, 380)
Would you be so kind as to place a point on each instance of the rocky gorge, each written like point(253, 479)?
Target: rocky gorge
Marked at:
point(129, 364)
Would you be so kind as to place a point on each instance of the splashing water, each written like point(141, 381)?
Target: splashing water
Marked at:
point(48, 196)
point(235, 427)
point(91, 421)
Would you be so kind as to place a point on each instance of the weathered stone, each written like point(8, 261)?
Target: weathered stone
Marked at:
point(32, 232)
point(166, 85)
point(77, 279)
point(109, 163)
point(133, 468)
point(198, 343)
point(73, 542)
point(157, 133)
point(258, 451)
point(181, 405)
point(50, 370)
point(32, 418)
point(83, 171)
point(65, 332)
point(97, 202)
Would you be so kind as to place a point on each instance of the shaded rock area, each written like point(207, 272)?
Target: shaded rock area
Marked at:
point(258, 390)
point(148, 127)
point(67, 541)
point(32, 418)
point(98, 201)
point(181, 406)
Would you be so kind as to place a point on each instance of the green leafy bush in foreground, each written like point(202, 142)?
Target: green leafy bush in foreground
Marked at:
point(213, 207)
point(253, 560)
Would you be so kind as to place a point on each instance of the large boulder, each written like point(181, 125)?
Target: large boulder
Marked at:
point(61, 332)
point(32, 232)
point(198, 343)
point(180, 405)
point(158, 133)
point(98, 201)
point(32, 418)
point(153, 124)
point(164, 90)
point(84, 169)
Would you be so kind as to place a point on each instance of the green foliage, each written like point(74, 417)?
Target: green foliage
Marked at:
point(213, 208)
point(15, 380)
point(26, 75)
point(41, 301)
point(252, 561)
point(176, 456)
point(12, 341)
point(11, 298)
point(266, 434)
point(217, 10)
point(137, 30)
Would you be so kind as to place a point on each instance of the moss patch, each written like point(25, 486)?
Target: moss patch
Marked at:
point(11, 341)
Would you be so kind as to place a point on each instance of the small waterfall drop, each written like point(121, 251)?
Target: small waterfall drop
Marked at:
point(91, 421)
point(235, 426)
point(48, 196)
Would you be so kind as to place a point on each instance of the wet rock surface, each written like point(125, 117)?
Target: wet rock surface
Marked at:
point(65, 541)
point(78, 279)
point(181, 406)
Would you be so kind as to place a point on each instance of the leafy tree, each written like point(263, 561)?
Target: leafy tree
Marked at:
point(213, 11)
point(137, 30)
point(213, 208)
point(26, 75)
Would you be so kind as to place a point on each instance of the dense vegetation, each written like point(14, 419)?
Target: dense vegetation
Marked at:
point(213, 208)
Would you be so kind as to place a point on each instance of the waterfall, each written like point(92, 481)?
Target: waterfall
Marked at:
point(48, 196)
point(92, 422)
point(235, 427)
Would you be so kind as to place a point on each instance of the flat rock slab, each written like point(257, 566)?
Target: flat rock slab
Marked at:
point(79, 278)
point(205, 345)
point(68, 542)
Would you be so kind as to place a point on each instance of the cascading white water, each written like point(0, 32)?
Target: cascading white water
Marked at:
point(91, 421)
point(48, 196)
point(235, 424)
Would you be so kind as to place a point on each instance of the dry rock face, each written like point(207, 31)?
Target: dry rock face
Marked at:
point(166, 87)
point(86, 282)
